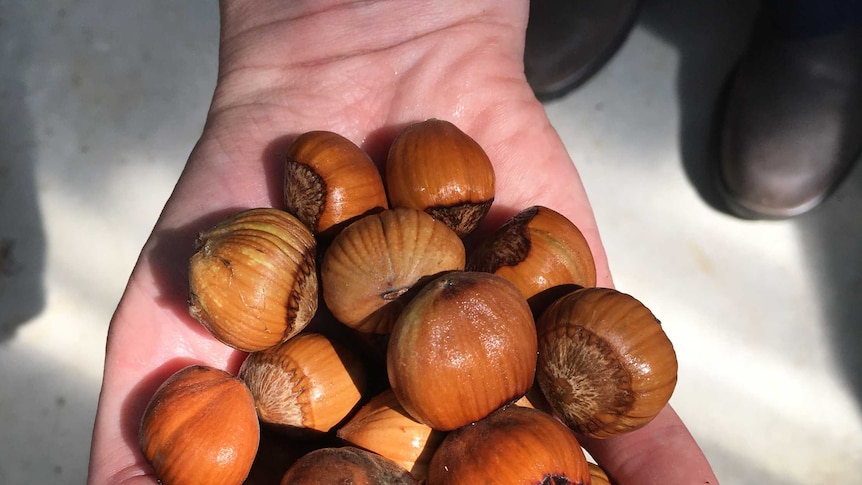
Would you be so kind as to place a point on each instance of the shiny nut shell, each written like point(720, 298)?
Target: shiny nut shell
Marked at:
point(307, 382)
point(382, 426)
point(605, 364)
point(253, 279)
point(373, 262)
point(346, 465)
point(515, 445)
point(329, 181)
point(463, 347)
point(200, 427)
point(537, 249)
point(436, 167)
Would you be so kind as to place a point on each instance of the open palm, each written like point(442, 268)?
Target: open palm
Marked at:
point(363, 70)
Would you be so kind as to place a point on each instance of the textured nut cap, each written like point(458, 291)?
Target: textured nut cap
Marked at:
point(308, 382)
point(605, 364)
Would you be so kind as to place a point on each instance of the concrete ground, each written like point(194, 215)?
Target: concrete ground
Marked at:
point(101, 103)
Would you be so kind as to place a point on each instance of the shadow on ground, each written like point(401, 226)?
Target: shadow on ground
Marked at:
point(22, 237)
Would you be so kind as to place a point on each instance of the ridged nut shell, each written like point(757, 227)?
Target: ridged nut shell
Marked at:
point(537, 249)
point(346, 465)
point(329, 181)
point(253, 279)
point(463, 347)
point(436, 167)
point(373, 262)
point(598, 475)
point(308, 382)
point(384, 427)
point(200, 427)
point(515, 445)
point(605, 364)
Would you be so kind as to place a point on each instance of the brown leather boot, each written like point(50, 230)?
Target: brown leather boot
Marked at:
point(569, 40)
point(793, 124)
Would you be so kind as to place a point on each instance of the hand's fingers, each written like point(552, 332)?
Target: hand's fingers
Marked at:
point(662, 452)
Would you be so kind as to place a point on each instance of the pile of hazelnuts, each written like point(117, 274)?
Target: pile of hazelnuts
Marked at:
point(388, 352)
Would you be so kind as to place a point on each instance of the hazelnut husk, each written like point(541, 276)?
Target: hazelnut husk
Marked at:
point(382, 426)
point(514, 445)
point(435, 167)
point(200, 427)
point(329, 182)
point(309, 382)
point(253, 279)
point(605, 365)
point(346, 465)
point(463, 347)
point(538, 249)
point(370, 267)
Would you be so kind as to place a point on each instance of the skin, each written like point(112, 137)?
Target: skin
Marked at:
point(363, 69)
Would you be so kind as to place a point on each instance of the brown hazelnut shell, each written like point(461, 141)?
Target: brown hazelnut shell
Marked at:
point(605, 364)
point(200, 427)
point(463, 347)
point(346, 465)
point(435, 167)
point(309, 382)
point(538, 249)
point(514, 445)
point(253, 279)
point(329, 181)
point(373, 263)
point(384, 427)
point(598, 475)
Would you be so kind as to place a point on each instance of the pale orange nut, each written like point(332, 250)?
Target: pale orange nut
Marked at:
point(435, 167)
point(200, 427)
point(370, 267)
point(329, 182)
point(605, 364)
point(253, 279)
point(382, 426)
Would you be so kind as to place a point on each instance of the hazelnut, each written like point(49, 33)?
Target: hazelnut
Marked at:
point(253, 279)
point(436, 167)
point(200, 427)
point(346, 465)
point(538, 249)
point(512, 445)
point(374, 262)
point(598, 475)
point(382, 426)
point(464, 346)
point(605, 364)
point(329, 182)
point(308, 382)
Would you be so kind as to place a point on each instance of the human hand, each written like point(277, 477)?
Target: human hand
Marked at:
point(363, 70)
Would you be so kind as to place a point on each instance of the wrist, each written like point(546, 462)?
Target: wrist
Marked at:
point(273, 43)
